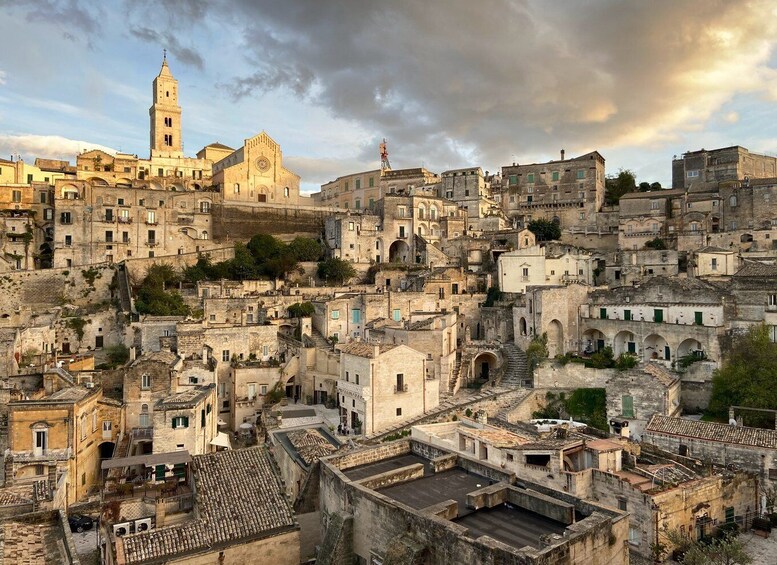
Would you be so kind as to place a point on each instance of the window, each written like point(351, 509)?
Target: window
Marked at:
point(525, 271)
point(144, 421)
point(17, 195)
point(107, 429)
point(626, 313)
point(654, 204)
point(251, 391)
point(627, 407)
point(714, 264)
point(513, 179)
point(145, 382)
point(347, 376)
point(356, 316)
point(732, 201)
point(356, 377)
point(225, 355)
point(635, 536)
point(151, 217)
point(396, 315)
point(335, 314)
point(399, 411)
point(581, 215)
point(692, 174)
point(773, 300)
point(603, 313)
point(180, 422)
point(401, 382)
point(109, 237)
point(68, 240)
point(263, 389)
point(698, 318)
point(358, 184)
point(65, 218)
point(48, 214)
point(151, 237)
point(237, 188)
point(581, 174)
point(530, 177)
point(658, 315)
point(94, 421)
point(358, 204)
point(554, 175)
point(266, 350)
point(41, 439)
point(205, 207)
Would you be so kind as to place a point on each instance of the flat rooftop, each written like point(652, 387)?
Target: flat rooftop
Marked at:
point(511, 525)
point(385, 465)
point(454, 484)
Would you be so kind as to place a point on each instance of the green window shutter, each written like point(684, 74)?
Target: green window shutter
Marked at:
point(603, 313)
point(628, 406)
point(627, 314)
point(698, 318)
point(174, 419)
point(160, 472)
point(658, 315)
point(185, 421)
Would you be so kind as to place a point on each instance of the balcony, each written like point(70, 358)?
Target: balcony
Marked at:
point(152, 243)
point(142, 433)
point(152, 223)
point(106, 219)
point(185, 221)
point(400, 388)
point(124, 220)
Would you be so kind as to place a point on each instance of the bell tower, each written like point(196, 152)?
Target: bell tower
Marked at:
point(165, 114)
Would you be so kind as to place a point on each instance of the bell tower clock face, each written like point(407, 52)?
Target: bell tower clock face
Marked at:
point(262, 163)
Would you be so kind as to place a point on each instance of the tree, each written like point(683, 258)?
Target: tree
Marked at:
point(748, 378)
point(545, 230)
point(618, 185)
point(537, 351)
point(301, 310)
point(656, 243)
point(305, 249)
point(725, 549)
point(335, 270)
point(655, 186)
point(154, 298)
point(644, 187)
point(265, 247)
point(243, 266)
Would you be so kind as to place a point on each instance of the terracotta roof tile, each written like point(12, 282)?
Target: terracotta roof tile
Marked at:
point(713, 431)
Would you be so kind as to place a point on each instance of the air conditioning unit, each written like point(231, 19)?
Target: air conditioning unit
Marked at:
point(121, 529)
point(143, 525)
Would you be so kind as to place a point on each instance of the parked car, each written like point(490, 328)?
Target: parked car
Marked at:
point(79, 523)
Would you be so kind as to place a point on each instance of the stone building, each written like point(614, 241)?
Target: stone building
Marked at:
point(753, 450)
point(754, 291)
point(627, 267)
point(240, 514)
point(250, 382)
point(645, 216)
point(381, 385)
point(663, 319)
point(63, 431)
point(569, 192)
point(550, 310)
point(471, 191)
point(361, 191)
point(297, 452)
point(437, 506)
point(255, 173)
point(26, 226)
point(714, 262)
point(715, 165)
point(543, 265)
point(186, 419)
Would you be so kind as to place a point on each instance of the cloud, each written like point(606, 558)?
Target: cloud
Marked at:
point(465, 80)
point(186, 55)
point(78, 19)
point(46, 146)
point(3, 77)
point(731, 117)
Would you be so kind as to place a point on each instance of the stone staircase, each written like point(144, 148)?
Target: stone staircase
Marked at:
point(320, 341)
point(516, 372)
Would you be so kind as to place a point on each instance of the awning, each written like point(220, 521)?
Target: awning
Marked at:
point(221, 440)
point(149, 460)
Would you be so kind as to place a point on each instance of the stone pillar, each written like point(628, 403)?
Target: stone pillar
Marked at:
point(161, 510)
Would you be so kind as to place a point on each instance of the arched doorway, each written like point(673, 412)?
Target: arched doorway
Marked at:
point(399, 252)
point(655, 347)
point(624, 342)
point(690, 346)
point(555, 338)
point(522, 326)
point(106, 449)
point(484, 365)
point(593, 341)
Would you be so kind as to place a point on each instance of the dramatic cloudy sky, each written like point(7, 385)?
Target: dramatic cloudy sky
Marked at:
point(449, 83)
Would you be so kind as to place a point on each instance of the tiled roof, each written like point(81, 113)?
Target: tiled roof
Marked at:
point(756, 269)
point(361, 349)
point(496, 437)
point(166, 357)
point(311, 445)
point(713, 249)
point(239, 497)
point(660, 373)
point(186, 398)
point(72, 393)
point(712, 431)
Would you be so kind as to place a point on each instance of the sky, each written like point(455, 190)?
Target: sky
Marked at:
point(449, 83)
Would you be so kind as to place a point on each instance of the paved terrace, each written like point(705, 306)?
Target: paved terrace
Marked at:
point(460, 492)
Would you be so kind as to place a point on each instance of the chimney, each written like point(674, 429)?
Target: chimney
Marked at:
point(562, 154)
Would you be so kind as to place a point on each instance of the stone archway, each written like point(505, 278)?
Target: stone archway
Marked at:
point(399, 252)
point(655, 347)
point(106, 449)
point(483, 365)
point(555, 338)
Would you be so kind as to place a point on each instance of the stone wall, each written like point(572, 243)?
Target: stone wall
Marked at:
point(236, 222)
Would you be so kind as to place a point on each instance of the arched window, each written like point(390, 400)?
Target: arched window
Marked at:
point(237, 188)
point(204, 235)
point(433, 212)
point(144, 421)
point(286, 192)
point(421, 212)
point(732, 201)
